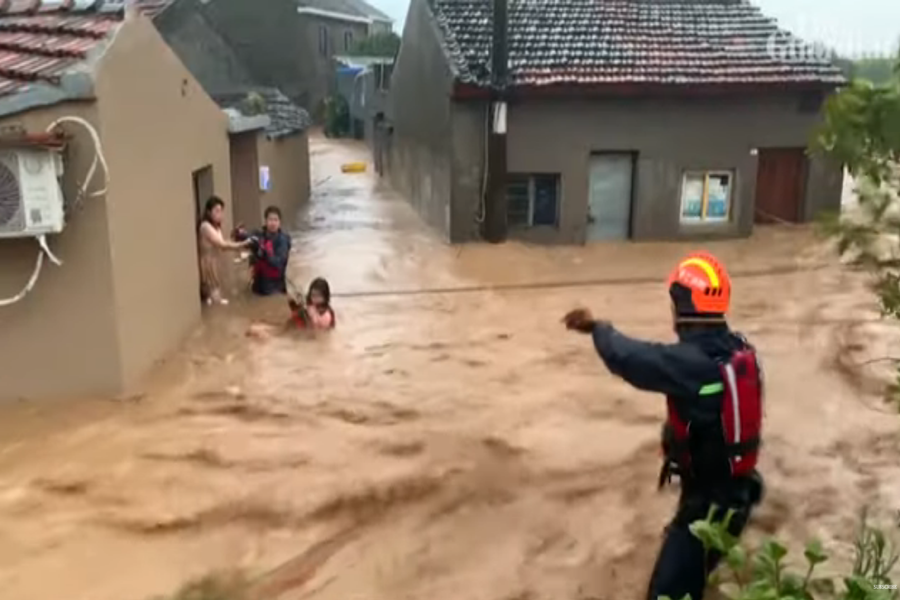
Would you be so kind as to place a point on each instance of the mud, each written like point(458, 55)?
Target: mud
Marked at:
point(448, 436)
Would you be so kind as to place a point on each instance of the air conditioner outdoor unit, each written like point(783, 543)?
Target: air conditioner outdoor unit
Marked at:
point(31, 201)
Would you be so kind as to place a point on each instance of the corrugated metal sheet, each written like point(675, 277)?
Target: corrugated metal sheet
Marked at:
point(40, 41)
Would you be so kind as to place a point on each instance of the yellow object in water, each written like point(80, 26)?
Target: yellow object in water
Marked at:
point(354, 167)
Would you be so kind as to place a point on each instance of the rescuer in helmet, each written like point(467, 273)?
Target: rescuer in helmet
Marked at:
point(714, 392)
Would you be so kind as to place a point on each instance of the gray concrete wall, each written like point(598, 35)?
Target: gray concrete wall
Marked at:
point(420, 164)
point(469, 138)
point(269, 39)
point(209, 58)
point(670, 136)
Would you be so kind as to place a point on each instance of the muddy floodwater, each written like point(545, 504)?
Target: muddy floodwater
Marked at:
point(449, 439)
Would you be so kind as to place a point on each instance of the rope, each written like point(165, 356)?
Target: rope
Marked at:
point(777, 220)
point(610, 282)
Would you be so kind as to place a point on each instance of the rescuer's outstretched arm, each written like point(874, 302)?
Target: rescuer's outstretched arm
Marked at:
point(670, 369)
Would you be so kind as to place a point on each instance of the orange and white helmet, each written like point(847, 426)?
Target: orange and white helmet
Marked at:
point(700, 286)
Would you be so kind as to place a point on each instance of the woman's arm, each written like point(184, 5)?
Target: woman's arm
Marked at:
point(214, 237)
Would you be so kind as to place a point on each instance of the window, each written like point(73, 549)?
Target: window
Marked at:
point(706, 197)
point(323, 40)
point(348, 40)
point(532, 200)
point(383, 76)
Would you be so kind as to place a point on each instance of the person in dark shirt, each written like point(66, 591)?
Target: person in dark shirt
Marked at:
point(714, 389)
point(272, 249)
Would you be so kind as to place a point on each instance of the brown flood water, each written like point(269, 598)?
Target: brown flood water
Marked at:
point(436, 443)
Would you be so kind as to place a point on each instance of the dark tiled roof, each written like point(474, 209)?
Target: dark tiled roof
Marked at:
point(354, 8)
point(634, 42)
point(285, 116)
point(40, 45)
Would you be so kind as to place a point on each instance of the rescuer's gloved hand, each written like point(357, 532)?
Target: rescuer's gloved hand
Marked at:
point(580, 320)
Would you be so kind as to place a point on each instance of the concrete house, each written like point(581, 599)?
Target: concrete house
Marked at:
point(364, 82)
point(126, 291)
point(289, 44)
point(269, 160)
point(627, 119)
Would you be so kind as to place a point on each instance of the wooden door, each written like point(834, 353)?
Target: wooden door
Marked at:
point(780, 185)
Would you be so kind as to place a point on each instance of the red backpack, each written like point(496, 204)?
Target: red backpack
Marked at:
point(741, 409)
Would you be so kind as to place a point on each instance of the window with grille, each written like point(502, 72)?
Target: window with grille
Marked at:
point(532, 200)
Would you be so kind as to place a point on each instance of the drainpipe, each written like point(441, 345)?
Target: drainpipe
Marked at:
point(495, 224)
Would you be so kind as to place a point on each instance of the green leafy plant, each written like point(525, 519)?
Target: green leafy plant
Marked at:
point(765, 574)
point(253, 104)
point(861, 130)
point(337, 116)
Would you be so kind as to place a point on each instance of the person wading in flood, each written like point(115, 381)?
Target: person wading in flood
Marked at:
point(270, 260)
point(714, 390)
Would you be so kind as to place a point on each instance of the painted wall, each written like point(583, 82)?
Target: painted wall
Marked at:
point(268, 39)
point(420, 159)
point(209, 57)
point(62, 338)
point(288, 161)
point(157, 129)
point(245, 178)
point(670, 136)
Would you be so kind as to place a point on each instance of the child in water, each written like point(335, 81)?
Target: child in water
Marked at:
point(315, 312)
point(311, 312)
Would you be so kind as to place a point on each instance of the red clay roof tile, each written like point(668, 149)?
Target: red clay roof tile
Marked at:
point(657, 42)
point(41, 40)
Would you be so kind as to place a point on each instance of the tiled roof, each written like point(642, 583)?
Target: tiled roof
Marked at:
point(285, 117)
point(152, 8)
point(41, 44)
point(354, 8)
point(633, 42)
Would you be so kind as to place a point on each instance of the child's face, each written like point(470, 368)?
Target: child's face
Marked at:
point(316, 298)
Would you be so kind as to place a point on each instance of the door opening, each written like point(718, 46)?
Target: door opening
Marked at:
point(203, 189)
point(610, 193)
point(781, 185)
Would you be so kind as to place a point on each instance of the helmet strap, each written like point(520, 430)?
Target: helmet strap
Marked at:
point(696, 320)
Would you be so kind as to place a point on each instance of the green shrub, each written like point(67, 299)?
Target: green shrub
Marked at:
point(763, 574)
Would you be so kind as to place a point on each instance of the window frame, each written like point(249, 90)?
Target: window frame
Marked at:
point(704, 218)
point(324, 41)
point(348, 40)
point(530, 178)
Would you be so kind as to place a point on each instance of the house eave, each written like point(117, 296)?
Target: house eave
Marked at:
point(471, 91)
point(338, 16)
point(238, 123)
point(71, 87)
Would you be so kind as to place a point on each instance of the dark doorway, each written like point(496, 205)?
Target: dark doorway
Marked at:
point(203, 189)
point(780, 185)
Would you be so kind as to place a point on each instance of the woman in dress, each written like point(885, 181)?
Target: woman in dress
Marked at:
point(212, 242)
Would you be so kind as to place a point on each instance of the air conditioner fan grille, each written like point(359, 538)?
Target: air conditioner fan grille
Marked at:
point(10, 195)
